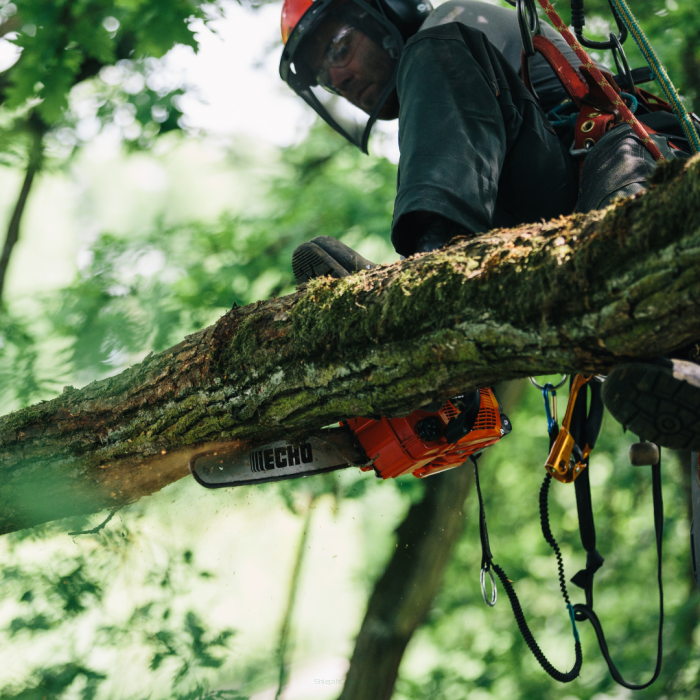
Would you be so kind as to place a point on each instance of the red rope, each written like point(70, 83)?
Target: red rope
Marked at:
point(616, 100)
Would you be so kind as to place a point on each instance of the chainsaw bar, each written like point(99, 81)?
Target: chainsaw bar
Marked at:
point(324, 451)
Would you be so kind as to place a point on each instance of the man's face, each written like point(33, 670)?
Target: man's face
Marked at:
point(349, 63)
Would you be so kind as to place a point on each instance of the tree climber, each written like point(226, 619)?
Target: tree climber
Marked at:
point(477, 149)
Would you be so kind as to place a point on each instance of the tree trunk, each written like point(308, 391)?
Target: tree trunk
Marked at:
point(403, 595)
point(577, 294)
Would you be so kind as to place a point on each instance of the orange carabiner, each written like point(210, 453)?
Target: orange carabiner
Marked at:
point(559, 463)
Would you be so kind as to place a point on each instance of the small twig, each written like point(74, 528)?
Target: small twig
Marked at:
point(286, 623)
point(95, 530)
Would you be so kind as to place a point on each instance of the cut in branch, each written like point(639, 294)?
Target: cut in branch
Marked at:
point(573, 295)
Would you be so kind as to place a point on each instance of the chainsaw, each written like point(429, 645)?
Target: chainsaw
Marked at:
point(433, 439)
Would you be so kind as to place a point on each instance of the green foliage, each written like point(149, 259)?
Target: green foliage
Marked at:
point(478, 652)
point(60, 594)
point(65, 42)
point(21, 379)
point(54, 681)
point(146, 292)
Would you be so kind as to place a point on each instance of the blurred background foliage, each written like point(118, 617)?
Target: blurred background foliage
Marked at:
point(192, 594)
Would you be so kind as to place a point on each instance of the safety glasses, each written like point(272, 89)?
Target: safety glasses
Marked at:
point(338, 54)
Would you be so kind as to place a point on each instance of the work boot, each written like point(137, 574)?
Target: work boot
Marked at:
point(659, 400)
point(324, 255)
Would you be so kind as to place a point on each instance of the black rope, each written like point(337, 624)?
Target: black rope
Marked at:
point(487, 562)
point(547, 532)
point(585, 427)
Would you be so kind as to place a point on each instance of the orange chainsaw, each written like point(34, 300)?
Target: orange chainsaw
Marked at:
point(428, 441)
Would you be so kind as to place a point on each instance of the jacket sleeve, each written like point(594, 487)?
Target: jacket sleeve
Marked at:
point(452, 135)
point(476, 147)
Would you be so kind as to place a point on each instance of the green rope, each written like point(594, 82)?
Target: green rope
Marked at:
point(652, 59)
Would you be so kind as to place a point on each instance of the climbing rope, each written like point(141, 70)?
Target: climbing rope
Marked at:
point(610, 93)
point(652, 59)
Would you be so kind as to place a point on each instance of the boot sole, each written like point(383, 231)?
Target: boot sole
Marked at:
point(659, 402)
point(310, 261)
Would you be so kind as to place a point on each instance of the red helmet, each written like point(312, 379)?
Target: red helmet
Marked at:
point(292, 12)
point(407, 15)
point(386, 23)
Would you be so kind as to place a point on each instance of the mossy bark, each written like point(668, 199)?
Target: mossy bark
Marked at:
point(576, 294)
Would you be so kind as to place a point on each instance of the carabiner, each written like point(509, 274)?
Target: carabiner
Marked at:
point(529, 23)
point(559, 462)
point(494, 590)
point(622, 66)
point(578, 20)
point(551, 413)
point(534, 383)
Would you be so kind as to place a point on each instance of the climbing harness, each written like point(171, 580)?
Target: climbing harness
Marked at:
point(601, 101)
point(570, 447)
point(596, 90)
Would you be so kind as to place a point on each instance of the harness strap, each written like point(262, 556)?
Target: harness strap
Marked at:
point(594, 560)
point(569, 77)
point(585, 427)
point(585, 612)
point(614, 99)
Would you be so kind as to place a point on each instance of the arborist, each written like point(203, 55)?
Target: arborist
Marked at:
point(477, 149)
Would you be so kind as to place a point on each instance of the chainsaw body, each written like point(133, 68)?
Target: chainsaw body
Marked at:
point(423, 443)
point(397, 446)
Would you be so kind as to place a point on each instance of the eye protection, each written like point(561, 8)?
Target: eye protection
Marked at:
point(338, 54)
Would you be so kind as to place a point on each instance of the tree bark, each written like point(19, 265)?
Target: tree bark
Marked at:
point(577, 294)
point(403, 595)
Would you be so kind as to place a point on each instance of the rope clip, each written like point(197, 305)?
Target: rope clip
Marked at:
point(566, 461)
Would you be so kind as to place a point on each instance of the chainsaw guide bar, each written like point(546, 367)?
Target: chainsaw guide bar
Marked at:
point(323, 451)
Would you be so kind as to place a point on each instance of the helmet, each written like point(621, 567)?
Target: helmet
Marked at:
point(349, 88)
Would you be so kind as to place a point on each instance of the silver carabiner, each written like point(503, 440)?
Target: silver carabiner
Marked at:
point(529, 24)
point(494, 590)
point(556, 386)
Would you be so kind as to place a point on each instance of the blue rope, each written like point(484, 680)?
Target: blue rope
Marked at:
point(557, 119)
point(634, 102)
point(551, 423)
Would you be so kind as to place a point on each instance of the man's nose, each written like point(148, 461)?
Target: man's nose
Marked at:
point(342, 77)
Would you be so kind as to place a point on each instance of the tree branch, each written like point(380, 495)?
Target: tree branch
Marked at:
point(33, 166)
point(576, 295)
